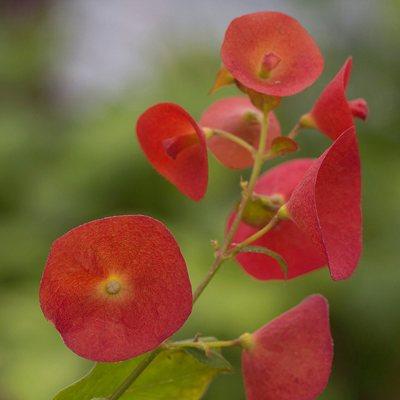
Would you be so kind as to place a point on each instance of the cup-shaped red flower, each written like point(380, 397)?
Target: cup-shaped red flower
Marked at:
point(332, 112)
point(286, 239)
point(176, 147)
point(116, 287)
point(238, 116)
point(326, 205)
point(271, 53)
point(291, 357)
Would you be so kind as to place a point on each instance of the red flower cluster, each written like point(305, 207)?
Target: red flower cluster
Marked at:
point(118, 287)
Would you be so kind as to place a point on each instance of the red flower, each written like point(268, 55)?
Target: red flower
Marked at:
point(325, 218)
point(116, 287)
point(291, 357)
point(271, 53)
point(238, 116)
point(332, 112)
point(326, 205)
point(176, 147)
point(286, 238)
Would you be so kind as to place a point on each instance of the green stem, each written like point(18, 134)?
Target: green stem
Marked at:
point(209, 132)
point(295, 131)
point(221, 257)
point(134, 375)
point(203, 345)
point(257, 235)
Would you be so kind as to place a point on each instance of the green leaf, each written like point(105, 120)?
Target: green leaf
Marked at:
point(263, 250)
point(282, 145)
point(212, 358)
point(174, 374)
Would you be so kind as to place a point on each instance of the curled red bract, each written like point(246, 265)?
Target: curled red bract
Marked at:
point(332, 112)
point(323, 199)
point(291, 357)
point(299, 252)
point(326, 205)
point(116, 287)
point(238, 116)
point(176, 147)
point(271, 53)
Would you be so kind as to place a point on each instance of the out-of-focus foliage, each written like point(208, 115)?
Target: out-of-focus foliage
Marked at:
point(59, 169)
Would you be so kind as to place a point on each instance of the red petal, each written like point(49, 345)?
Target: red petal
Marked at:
point(188, 171)
point(292, 355)
point(287, 239)
point(331, 112)
point(326, 205)
point(238, 116)
point(155, 298)
point(359, 108)
point(252, 37)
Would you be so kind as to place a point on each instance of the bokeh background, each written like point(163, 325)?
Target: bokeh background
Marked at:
point(74, 76)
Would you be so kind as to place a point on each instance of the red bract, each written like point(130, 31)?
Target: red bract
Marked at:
point(238, 116)
point(332, 112)
point(271, 53)
point(287, 239)
point(116, 287)
point(326, 205)
point(291, 357)
point(176, 147)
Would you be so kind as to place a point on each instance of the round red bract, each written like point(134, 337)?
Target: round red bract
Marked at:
point(271, 53)
point(116, 287)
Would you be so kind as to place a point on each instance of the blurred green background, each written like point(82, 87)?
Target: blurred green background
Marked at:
point(75, 75)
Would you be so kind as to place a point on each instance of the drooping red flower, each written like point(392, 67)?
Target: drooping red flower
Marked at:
point(326, 205)
point(323, 201)
point(116, 287)
point(291, 357)
point(238, 116)
point(333, 113)
point(176, 147)
point(271, 53)
point(286, 239)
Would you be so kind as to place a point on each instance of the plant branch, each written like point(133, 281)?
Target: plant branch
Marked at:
point(257, 235)
point(295, 131)
point(209, 132)
point(134, 375)
point(203, 345)
point(221, 257)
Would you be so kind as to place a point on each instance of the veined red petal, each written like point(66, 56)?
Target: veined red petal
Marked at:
point(271, 39)
point(116, 287)
point(185, 166)
point(291, 357)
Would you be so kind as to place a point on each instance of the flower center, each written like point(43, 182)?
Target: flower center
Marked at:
point(270, 61)
point(175, 145)
point(113, 287)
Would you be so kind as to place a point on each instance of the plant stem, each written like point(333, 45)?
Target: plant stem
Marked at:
point(255, 236)
point(203, 345)
point(295, 131)
point(209, 132)
point(134, 375)
point(221, 257)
